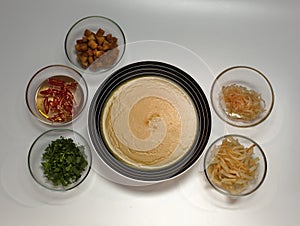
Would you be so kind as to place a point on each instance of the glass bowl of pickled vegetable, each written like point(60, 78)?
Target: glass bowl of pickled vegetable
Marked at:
point(95, 44)
point(235, 165)
point(242, 96)
point(59, 159)
point(56, 95)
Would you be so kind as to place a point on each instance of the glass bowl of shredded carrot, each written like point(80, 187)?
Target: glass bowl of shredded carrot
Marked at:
point(242, 96)
point(235, 165)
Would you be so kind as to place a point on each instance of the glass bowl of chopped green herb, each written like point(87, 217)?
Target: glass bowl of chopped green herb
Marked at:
point(59, 159)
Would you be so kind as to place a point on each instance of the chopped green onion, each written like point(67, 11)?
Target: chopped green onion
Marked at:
point(63, 162)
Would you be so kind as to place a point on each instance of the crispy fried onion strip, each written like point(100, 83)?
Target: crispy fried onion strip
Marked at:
point(233, 166)
point(242, 103)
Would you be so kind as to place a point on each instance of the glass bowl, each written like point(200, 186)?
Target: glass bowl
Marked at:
point(235, 165)
point(242, 96)
point(56, 95)
point(38, 148)
point(92, 50)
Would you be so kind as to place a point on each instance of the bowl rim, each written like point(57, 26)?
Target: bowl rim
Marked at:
point(35, 75)
point(86, 71)
point(81, 180)
point(232, 122)
point(264, 160)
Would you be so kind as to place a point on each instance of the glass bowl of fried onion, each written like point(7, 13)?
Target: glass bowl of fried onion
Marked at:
point(235, 165)
point(242, 96)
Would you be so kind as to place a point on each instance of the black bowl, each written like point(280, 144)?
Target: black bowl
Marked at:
point(162, 70)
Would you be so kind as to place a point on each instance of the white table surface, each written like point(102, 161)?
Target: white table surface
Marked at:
point(262, 34)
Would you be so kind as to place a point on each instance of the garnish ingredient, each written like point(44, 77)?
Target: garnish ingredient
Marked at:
point(233, 166)
point(59, 104)
point(96, 50)
point(63, 162)
point(242, 103)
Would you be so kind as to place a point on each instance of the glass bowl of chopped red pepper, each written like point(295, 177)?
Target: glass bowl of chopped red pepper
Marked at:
point(56, 95)
point(59, 159)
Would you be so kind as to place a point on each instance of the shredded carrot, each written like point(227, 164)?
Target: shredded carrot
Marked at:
point(242, 103)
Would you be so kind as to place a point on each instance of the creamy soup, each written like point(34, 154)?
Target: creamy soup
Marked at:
point(149, 122)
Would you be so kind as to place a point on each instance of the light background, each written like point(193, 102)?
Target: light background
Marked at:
point(223, 33)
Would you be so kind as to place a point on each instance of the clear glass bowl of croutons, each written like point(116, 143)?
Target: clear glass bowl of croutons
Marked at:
point(95, 44)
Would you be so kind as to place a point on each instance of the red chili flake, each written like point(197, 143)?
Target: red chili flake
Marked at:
point(56, 82)
point(46, 105)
